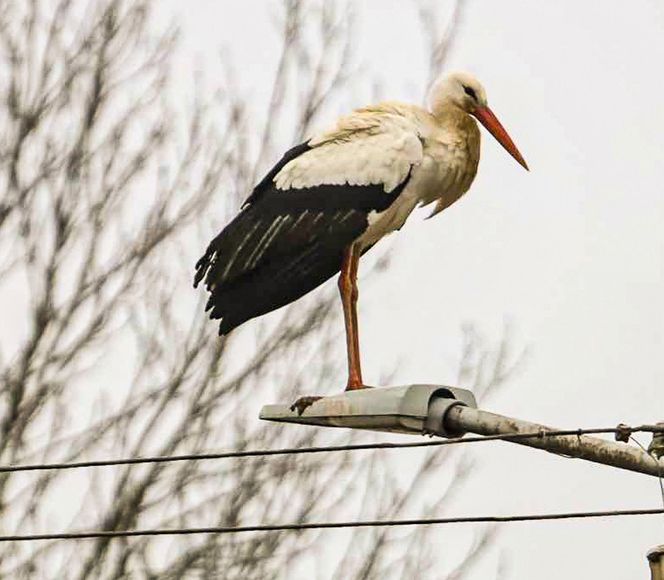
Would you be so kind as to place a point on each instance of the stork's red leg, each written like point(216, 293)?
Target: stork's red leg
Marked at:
point(349, 295)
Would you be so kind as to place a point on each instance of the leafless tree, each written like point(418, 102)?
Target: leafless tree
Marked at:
point(107, 196)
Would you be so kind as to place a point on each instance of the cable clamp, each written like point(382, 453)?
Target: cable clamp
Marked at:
point(623, 432)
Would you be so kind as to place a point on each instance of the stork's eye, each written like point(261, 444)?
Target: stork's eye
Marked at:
point(470, 92)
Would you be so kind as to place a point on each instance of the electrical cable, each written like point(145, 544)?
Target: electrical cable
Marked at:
point(328, 525)
point(540, 434)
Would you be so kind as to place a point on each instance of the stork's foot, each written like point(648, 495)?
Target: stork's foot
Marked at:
point(303, 402)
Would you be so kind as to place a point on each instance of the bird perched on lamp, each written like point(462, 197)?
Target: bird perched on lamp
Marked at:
point(331, 198)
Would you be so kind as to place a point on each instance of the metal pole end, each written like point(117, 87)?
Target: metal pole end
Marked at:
point(656, 447)
point(656, 560)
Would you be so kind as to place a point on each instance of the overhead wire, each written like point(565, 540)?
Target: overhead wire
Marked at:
point(83, 535)
point(622, 432)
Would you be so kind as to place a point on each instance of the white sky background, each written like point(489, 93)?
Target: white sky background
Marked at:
point(571, 253)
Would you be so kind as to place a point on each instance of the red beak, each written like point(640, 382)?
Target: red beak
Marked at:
point(488, 119)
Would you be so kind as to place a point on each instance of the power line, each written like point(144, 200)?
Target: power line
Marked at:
point(328, 525)
point(622, 432)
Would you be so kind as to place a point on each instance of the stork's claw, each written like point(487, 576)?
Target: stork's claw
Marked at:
point(303, 402)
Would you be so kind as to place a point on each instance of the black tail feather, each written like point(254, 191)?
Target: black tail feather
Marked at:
point(203, 265)
point(274, 286)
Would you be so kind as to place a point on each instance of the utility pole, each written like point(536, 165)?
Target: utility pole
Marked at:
point(656, 555)
point(656, 561)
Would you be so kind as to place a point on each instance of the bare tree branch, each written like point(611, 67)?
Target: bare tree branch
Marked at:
point(108, 191)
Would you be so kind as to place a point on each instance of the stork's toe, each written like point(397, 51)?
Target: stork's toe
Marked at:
point(303, 403)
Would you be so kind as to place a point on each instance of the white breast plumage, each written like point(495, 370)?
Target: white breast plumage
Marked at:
point(443, 176)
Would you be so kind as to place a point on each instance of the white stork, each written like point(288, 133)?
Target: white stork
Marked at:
point(331, 198)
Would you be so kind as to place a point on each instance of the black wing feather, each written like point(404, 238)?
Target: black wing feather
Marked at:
point(283, 244)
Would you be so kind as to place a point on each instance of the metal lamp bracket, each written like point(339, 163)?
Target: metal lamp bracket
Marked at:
point(440, 404)
point(405, 409)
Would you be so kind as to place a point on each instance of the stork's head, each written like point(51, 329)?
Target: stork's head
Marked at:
point(463, 91)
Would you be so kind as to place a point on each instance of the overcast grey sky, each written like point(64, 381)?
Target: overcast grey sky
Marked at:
point(571, 253)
